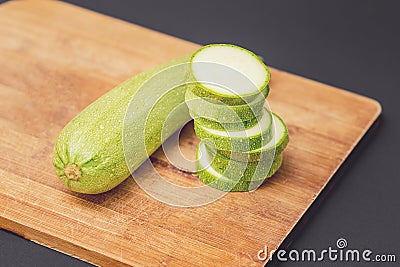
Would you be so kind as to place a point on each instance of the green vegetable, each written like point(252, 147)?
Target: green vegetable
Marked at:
point(218, 111)
point(242, 140)
point(278, 142)
point(228, 73)
point(235, 170)
point(219, 179)
point(89, 152)
point(225, 126)
point(240, 148)
point(238, 170)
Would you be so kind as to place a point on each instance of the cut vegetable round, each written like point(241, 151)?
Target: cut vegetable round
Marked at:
point(238, 170)
point(244, 140)
point(275, 146)
point(212, 177)
point(226, 126)
point(218, 111)
point(228, 73)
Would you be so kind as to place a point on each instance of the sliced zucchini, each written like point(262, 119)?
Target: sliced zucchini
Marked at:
point(275, 146)
point(218, 111)
point(228, 73)
point(238, 170)
point(213, 177)
point(244, 140)
point(227, 126)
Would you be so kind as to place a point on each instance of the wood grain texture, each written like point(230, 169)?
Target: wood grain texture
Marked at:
point(56, 59)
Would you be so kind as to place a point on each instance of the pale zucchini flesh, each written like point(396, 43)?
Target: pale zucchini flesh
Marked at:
point(228, 73)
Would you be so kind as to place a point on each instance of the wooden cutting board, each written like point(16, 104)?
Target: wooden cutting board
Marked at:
point(56, 59)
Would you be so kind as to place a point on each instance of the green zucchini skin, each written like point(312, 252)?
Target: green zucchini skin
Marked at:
point(250, 171)
point(258, 154)
point(232, 184)
point(237, 144)
point(89, 152)
point(203, 91)
point(218, 111)
point(225, 126)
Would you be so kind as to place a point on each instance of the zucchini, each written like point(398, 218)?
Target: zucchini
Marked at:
point(228, 73)
point(218, 111)
point(240, 146)
point(236, 170)
point(221, 181)
point(276, 145)
point(242, 140)
point(225, 126)
point(99, 148)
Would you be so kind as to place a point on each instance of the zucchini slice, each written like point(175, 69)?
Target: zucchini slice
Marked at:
point(228, 73)
point(212, 177)
point(238, 170)
point(218, 111)
point(275, 146)
point(242, 140)
point(227, 126)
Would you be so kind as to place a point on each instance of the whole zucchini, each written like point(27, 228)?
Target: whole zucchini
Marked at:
point(90, 152)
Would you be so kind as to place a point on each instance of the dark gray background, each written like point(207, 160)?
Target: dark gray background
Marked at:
point(350, 44)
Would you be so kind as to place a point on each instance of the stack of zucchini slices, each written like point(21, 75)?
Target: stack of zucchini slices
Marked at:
point(241, 140)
